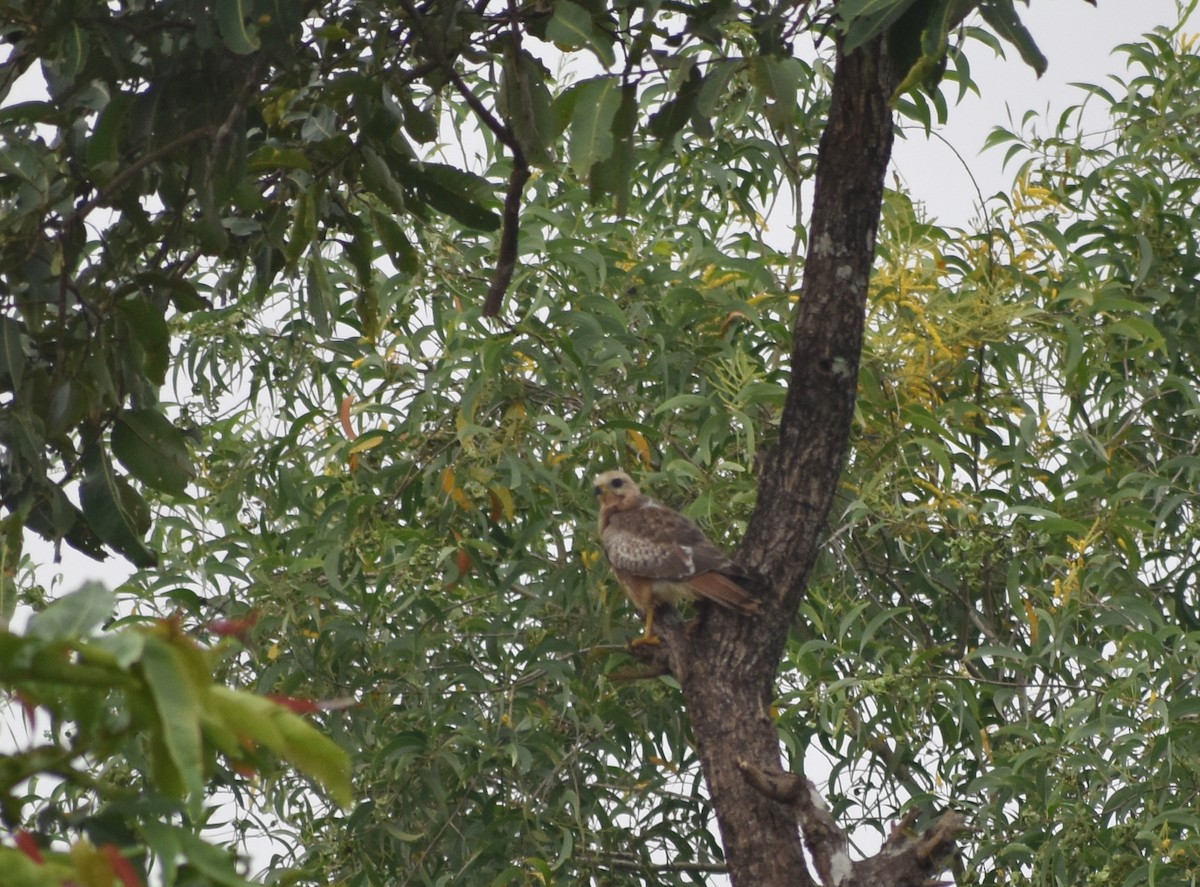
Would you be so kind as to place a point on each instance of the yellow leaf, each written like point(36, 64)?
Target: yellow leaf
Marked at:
point(504, 497)
point(92, 869)
point(638, 441)
point(455, 492)
point(367, 443)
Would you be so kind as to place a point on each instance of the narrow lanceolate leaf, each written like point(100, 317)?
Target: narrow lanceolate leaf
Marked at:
point(74, 615)
point(527, 105)
point(1002, 16)
point(451, 191)
point(153, 450)
point(231, 20)
point(287, 735)
point(177, 703)
point(114, 510)
point(104, 147)
point(614, 176)
point(864, 20)
point(591, 136)
point(149, 329)
point(12, 353)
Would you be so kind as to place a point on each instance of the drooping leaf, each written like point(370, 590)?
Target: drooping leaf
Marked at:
point(232, 16)
point(74, 615)
point(864, 20)
point(113, 509)
point(177, 701)
point(287, 735)
point(153, 450)
point(150, 331)
point(1002, 16)
point(572, 27)
point(12, 353)
point(591, 132)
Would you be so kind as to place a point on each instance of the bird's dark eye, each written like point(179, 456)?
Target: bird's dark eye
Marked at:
point(617, 483)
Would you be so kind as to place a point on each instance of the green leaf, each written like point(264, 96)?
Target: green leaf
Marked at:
point(319, 297)
point(231, 21)
point(74, 615)
point(216, 864)
point(113, 509)
point(104, 146)
point(528, 105)
point(396, 242)
point(153, 450)
point(177, 703)
point(272, 157)
point(572, 27)
point(614, 176)
point(123, 649)
point(1002, 16)
point(864, 20)
point(378, 179)
point(447, 190)
point(591, 136)
point(778, 78)
point(150, 330)
point(12, 352)
point(21, 871)
point(287, 735)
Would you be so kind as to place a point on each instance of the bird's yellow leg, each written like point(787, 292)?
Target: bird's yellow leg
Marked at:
point(648, 636)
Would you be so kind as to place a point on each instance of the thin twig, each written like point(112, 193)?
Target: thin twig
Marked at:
point(506, 259)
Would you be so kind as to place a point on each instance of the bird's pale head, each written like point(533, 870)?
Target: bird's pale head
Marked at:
point(615, 488)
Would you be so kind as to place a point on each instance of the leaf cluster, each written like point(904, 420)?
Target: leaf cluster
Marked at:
point(1007, 617)
point(137, 733)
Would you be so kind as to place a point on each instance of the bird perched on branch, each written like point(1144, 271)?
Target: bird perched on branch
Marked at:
point(660, 556)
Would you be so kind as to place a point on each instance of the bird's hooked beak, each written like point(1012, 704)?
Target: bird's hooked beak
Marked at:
point(611, 488)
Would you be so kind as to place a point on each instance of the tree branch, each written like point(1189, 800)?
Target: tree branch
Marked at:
point(506, 258)
point(828, 844)
point(910, 859)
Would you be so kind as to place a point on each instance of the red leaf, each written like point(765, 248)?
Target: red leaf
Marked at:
point(238, 628)
point(121, 866)
point(296, 704)
point(344, 417)
point(308, 706)
point(27, 844)
point(29, 707)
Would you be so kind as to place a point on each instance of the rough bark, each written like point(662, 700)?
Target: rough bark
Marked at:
point(727, 666)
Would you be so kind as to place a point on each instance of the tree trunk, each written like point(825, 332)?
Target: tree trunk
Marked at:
point(727, 666)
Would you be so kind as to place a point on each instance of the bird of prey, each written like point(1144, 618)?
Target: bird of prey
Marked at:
point(661, 556)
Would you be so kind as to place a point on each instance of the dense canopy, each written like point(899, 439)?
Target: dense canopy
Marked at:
point(322, 317)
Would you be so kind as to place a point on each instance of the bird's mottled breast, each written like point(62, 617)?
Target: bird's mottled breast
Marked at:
point(640, 541)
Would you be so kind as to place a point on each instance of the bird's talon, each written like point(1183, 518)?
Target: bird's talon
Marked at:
point(646, 640)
